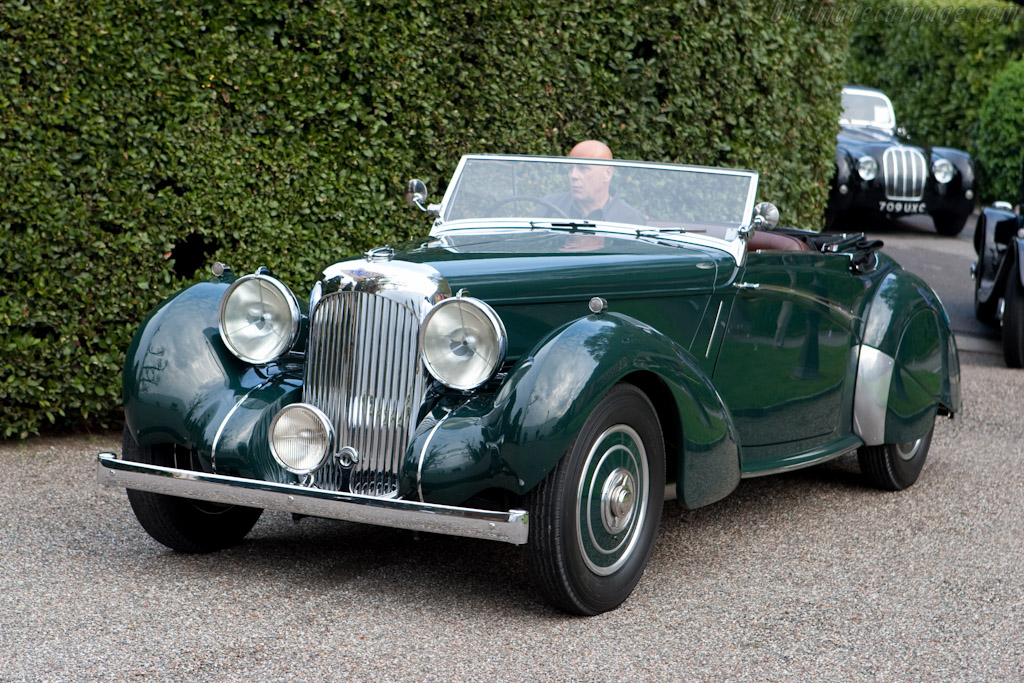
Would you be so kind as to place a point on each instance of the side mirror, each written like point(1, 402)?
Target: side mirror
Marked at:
point(416, 193)
point(766, 216)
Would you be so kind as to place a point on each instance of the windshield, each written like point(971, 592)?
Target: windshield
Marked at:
point(545, 191)
point(865, 108)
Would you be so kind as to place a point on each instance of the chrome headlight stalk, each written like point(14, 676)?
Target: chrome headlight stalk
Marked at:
point(259, 319)
point(463, 342)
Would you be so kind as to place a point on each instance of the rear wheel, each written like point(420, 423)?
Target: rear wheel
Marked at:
point(183, 524)
point(895, 466)
point(594, 518)
point(1013, 322)
point(949, 224)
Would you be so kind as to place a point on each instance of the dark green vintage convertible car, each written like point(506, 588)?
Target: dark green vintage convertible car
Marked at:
point(572, 344)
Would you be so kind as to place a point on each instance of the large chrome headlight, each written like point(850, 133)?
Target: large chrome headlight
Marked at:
point(943, 170)
point(259, 319)
point(463, 342)
point(867, 167)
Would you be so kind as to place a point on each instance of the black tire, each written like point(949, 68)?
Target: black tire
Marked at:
point(949, 224)
point(1013, 322)
point(594, 518)
point(182, 524)
point(894, 467)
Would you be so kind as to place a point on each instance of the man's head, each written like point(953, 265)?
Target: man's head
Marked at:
point(589, 183)
point(591, 149)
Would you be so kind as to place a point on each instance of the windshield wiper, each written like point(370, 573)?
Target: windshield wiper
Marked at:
point(648, 232)
point(570, 224)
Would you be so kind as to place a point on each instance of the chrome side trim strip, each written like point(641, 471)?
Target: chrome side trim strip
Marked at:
point(508, 527)
point(871, 395)
point(847, 316)
point(714, 329)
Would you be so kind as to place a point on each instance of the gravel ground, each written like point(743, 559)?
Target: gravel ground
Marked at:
point(805, 576)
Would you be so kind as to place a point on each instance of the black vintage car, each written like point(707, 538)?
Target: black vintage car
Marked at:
point(878, 175)
point(999, 273)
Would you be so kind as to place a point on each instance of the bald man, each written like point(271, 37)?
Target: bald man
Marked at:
point(590, 194)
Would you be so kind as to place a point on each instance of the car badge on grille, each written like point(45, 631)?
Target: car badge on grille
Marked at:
point(347, 456)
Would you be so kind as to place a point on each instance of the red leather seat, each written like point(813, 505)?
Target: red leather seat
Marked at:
point(772, 241)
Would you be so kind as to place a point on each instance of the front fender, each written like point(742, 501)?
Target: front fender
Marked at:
point(181, 385)
point(908, 366)
point(515, 438)
point(963, 163)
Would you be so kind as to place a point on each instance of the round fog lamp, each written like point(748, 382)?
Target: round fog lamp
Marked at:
point(943, 170)
point(463, 342)
point(301, 438)
point(867, 168)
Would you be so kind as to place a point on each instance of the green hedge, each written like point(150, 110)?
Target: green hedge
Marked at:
point(141, 141)
point(936, 60)
point(999, 143)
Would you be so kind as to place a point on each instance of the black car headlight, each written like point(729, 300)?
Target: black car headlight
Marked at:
point(943, 170)
point(259, 319)
point(867, 168)
point(463, 342)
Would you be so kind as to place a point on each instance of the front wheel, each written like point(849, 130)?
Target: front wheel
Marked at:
point(183, 524)
point(949, 224)
point(895, 466)
point(594, 518)
point(1013, 322)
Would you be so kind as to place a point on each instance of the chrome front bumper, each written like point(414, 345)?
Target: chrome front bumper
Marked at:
point(509, 527)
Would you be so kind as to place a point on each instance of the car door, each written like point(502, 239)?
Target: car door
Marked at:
point(785, 365)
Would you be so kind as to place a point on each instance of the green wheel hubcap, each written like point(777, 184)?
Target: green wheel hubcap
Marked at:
point(611, 500)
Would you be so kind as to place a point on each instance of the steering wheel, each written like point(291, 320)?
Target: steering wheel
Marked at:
point(526, 198)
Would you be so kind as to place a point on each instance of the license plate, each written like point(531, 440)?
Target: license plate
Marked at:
point(902, 207)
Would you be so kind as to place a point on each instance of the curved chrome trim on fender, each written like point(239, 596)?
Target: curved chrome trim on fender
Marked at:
point(512, 526)
point(423, 455)
point(871, 395)
point(220, 430)
point(714, 328)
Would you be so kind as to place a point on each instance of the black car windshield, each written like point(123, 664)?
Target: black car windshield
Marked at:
point(551, 191)
point(867, 108)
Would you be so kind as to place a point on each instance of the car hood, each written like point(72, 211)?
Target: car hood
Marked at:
point(864, 138)
point(552, 265)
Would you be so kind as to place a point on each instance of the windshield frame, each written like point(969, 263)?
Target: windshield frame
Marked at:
point(875, 94)
point(442, 226)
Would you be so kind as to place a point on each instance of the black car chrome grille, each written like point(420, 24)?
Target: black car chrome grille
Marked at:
point(905, 172)
point(363, 370)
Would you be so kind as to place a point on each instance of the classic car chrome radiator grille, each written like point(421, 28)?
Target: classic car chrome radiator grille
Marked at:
point(363, 370)
point(905, 172)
